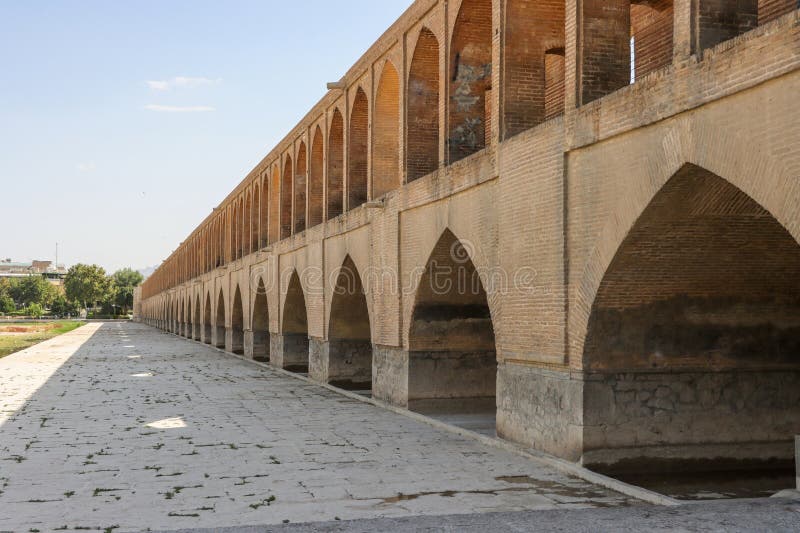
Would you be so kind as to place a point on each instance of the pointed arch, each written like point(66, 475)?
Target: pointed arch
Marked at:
point(237, 323)
point(335, 205)
point(470, 69)
point(263, 209)
point(219, 321)
point(260, 322)
point(294, 327)
point(358, 146)
point(422, 142)
point(247, 225)
point(451, 335)
point(316, 179)
point(699, 306)
point(275, 205)
point(207, 320)
point(349, 332)
point(287, 181)
point(386, 146)
point(533, 71)
point(300, 179)
point(255, 218)
point(196, 320)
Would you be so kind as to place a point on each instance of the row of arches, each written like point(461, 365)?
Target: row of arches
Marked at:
point(697, 313)
point(354, 152)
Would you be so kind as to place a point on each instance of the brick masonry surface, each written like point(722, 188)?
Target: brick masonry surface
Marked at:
point(621, 177)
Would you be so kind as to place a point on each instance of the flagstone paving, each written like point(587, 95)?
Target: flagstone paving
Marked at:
point(123, 426)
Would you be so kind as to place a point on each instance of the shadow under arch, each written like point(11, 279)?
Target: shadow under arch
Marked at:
point(237, 323)
point(207, 320)
point(451, 340)
point(260, 324)
point(219, 322)
point(196, 319)
point(349, 357)
point(294, 342)
point(694, 334)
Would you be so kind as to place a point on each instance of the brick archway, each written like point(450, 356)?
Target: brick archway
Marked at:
point(694, 331)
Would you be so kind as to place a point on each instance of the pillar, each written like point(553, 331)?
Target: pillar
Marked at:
point(343, 363)
point(289, 351)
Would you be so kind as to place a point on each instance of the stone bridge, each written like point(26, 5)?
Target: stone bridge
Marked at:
point(583, 213)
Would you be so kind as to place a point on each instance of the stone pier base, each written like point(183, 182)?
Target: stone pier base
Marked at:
point(219, 337)
point(390, 375)
point(261, 346)
point(342, 363)
point(234, 341)
point(248, 344)
point(290, 352)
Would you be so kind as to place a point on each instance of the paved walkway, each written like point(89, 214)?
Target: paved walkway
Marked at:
point(123, 425)
point(773, 515)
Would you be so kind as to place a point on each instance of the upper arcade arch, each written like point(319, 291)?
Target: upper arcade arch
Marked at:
point(358, 150)
point(386, 133)
point(422, 104)
point(316, 179)
point(470, 69)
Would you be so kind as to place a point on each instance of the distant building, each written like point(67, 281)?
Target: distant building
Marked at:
point(55, 274)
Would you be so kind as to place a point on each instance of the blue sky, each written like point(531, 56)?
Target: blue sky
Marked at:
point(122, 124)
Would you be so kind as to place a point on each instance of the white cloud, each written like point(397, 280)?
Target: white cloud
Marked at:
point(179, 109)
point(86, 167)
point(181, 82)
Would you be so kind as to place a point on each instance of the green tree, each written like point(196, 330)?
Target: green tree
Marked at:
point(124, 282)
point(32, 290)
point(7, 303)
point(35, 310)
point(62, 307)
point(87, 284)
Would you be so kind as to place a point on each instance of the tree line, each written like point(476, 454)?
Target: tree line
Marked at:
point(85, 287)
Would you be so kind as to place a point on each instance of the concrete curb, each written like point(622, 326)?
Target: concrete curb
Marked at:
point(542, 458)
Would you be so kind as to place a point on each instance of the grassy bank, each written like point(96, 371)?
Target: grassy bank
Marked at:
point(18, 336)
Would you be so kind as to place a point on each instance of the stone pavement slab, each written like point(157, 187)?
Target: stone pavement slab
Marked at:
point(124, 426)
point(774, 515)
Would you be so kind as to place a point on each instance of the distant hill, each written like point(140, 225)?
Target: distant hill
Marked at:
point(147, 271)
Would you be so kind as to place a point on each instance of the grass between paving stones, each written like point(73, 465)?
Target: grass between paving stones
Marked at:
point(26, 335)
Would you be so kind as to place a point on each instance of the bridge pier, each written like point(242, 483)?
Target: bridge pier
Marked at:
point(207, 334)
point(234, 340)
point(345, 363)
point(260, 346)
point(289, 351)
point(218, 339)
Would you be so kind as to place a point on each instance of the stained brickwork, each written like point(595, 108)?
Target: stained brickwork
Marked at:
point(636, 243)
point(470, 76)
